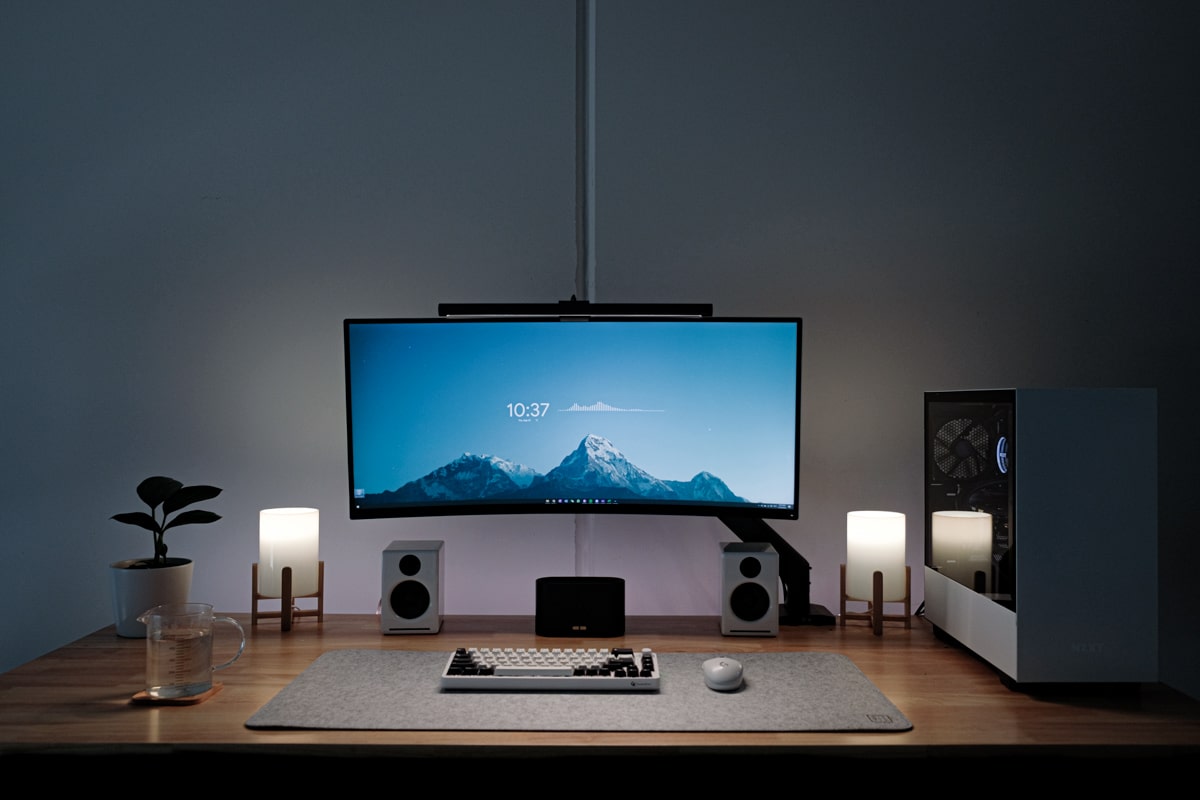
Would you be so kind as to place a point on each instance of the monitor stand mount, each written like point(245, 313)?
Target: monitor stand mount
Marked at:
point(794, 572)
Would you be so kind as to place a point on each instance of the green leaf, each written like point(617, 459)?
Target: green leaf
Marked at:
point(192, 518)
point(139, 518)
point(187, 495)
point(155, 490)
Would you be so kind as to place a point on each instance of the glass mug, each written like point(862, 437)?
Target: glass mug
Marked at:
point(179, 649)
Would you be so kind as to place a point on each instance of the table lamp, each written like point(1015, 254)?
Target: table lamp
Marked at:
point(875, 571)
point(288, 567)
point(961, 547)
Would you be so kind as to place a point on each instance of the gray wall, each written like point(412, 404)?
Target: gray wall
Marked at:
point(196, 194)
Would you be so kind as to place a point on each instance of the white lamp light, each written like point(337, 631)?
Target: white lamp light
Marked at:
point(875, 544)
point(289, 564)
point(288, 537)
point(961, 543)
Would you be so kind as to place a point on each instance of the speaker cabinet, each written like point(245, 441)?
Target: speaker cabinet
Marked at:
point(1066, 591)
point(413, 588)
point(749, 589)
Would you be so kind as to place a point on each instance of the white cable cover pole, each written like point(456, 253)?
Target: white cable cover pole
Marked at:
point(585, 206)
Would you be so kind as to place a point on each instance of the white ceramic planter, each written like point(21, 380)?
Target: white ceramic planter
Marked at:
point(137, 590)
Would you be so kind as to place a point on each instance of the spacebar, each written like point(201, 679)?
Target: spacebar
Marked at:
point(547, 672)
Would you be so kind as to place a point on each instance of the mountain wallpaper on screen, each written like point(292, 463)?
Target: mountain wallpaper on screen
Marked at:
point(594, 469)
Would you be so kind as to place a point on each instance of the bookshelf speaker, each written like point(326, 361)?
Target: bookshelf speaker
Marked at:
point(749, 589)
point(413, 588)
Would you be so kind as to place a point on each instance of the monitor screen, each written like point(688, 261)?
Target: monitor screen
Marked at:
point(694, 416)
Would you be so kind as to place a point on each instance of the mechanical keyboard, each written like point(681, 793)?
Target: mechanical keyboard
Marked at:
point(617, 669)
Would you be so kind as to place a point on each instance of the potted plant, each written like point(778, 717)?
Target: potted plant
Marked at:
point(139, 584)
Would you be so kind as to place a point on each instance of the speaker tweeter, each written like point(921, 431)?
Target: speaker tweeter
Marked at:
point(413, 591)
point(749, 589)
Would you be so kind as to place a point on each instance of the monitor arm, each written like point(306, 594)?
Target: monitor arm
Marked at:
point(794, 571)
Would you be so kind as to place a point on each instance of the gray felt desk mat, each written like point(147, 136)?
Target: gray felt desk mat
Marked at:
point(398, 690)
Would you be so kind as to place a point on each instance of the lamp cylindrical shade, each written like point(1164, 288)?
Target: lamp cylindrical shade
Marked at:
point(875, 543)
point(288, 537)
point(961, 544)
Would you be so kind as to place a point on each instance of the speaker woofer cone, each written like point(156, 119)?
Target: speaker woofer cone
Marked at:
point(749, 602)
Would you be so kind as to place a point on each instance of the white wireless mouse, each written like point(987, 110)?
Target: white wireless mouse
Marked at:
point(722, 674)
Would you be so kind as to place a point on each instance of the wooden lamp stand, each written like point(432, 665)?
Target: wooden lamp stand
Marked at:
point(287, 610)
point(874, 613)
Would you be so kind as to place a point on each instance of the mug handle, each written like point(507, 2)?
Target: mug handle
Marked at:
point(241, 644)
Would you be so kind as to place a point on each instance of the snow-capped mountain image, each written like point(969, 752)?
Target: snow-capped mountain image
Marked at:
point(596, 468)
point(597, 465)
point(468, 477)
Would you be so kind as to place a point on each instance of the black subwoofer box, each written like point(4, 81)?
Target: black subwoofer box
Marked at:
point(575, 606)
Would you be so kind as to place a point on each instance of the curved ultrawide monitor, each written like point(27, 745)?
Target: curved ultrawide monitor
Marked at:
point(604, 415)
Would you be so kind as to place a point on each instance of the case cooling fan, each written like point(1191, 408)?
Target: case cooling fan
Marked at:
point(960, 449)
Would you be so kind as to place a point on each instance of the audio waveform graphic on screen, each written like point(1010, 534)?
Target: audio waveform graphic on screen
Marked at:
point(603, 406)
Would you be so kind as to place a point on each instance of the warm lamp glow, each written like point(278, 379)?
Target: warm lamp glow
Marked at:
point(875, 543)
point(961, 543)
point(287, 537)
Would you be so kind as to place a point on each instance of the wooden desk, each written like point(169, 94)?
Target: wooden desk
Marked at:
point(75, 702)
